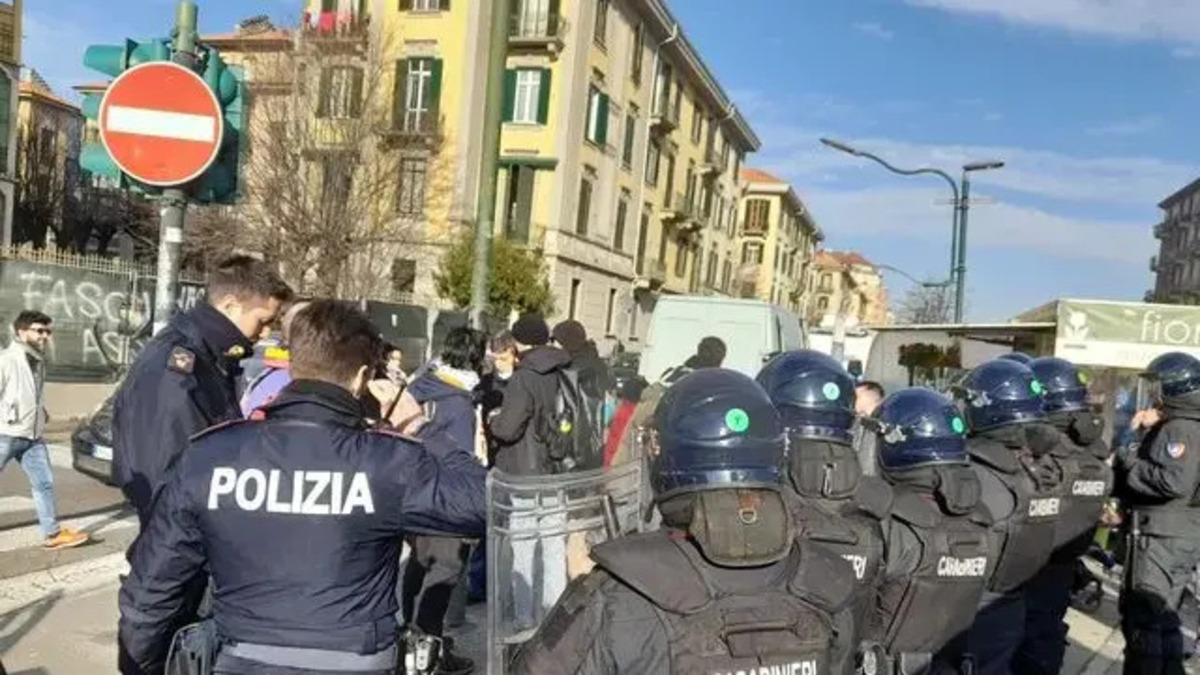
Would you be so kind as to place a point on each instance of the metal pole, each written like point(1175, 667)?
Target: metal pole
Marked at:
point(174, 200)
point(954, 234)
point(960, 270)
point(485, 209)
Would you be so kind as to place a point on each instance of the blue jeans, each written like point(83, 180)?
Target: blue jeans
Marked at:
point(35, 460)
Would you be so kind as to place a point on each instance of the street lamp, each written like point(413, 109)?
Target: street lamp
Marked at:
point(958, 230)
point(964, 204)
point(924, 284)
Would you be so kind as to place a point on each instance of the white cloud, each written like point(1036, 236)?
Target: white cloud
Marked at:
point(1166, 20)
point(875, 30)
point(915, 212)
point(1133, 127)
point(993, 117)
point(1137, 182)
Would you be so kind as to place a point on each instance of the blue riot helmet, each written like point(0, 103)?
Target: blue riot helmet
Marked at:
point(716, 429)
point(917, 428)
point(814, 394)
point(1065, 389)
point(1019, 357)
point(999, 393)
point(1173, 376)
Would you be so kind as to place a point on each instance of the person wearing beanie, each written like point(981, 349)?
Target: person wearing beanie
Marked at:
point(594, 375)
point(521, 450)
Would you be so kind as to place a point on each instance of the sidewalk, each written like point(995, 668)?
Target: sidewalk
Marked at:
point(75, 493)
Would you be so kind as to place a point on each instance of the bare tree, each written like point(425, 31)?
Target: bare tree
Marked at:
point(41, 193)
point(926, 304)
point(340, 171)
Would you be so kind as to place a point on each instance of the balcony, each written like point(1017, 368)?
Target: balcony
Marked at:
point(534, 30)
point(676, 207)
point(1158, 230)
point(652, 275)
point(710, 166)
point(1154, 264)
point(664, 118)
point(1148, 297)
point(336, 31)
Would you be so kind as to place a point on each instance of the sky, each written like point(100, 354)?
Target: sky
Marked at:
point(1090, 104)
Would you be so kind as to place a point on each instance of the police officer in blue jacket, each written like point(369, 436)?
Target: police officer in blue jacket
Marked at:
point(184, 379)
point(298, 519)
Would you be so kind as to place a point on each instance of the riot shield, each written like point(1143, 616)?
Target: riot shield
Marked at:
point(539, 531)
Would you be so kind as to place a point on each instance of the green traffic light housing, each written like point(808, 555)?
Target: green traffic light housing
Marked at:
point(112, 60)
point(219, 185)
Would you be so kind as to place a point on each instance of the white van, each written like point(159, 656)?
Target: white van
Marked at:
point(753, 332)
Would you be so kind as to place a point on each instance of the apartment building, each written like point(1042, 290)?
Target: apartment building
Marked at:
point(845, 283)
point(1176, 267)
point(777, 239)
point(49, 138)
point(10, 77)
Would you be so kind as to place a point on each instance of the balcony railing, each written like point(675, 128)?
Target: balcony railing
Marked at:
point(1158, 230)
point(651, 274)
point(531, 28)
point(663, 116)
point(752, 229)
point(1154, 263)
point(676, 207)
point(711, 164)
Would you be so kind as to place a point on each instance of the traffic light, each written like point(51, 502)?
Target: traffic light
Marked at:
point(112, 60)
point(219, 185)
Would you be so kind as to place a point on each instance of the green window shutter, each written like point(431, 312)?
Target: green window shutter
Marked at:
point(510, 95)
point(323, 92)
point(356, 93)
point(444, 5)
point(552, 12)
point(543, 115)
point(398, 91)
point(435, 94)
point(602, 121)
point(405, 5)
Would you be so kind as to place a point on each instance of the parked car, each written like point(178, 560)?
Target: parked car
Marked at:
point(91, 444)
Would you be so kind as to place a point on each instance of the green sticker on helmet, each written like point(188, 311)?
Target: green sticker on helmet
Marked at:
point(737, 420)
point(831, 391)
point(1037, 387)
point(958, 426)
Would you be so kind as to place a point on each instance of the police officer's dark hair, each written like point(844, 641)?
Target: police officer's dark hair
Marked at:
point(465, 349)
point(30, 317)
point(331, 341)
point(871, 386)
point(710, 353)
point(245, 278)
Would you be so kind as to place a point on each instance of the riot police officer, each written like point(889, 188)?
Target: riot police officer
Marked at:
point(939, 542)
point(1158, 483)
point(298, 518)
point(725, 586)
point(1010, 447)
point(1017, 357)
point(831, 500)
point(1086, 484)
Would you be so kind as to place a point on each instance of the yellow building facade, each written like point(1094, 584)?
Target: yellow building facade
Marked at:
point(10, 76)
point(49, 136)
point(777, 241)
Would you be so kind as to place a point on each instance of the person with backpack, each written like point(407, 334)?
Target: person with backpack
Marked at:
point(525, 433)
point(445, 397)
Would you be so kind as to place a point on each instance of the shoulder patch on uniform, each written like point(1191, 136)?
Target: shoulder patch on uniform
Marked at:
point(181, 360)
point(218, 427)
point(1176, 450)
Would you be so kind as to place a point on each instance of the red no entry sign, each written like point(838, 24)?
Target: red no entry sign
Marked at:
point(161, 123)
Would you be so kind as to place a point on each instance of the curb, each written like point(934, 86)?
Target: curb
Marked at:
point(80, 577)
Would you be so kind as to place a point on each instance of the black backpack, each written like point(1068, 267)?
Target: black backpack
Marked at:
point(573, 431)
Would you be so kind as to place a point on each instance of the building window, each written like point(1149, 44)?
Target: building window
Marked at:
point(610, 312)
point(823, 303)
point(7, 50)
point(337, 180)
point(527, 96)
point(710, 276)
point(410, 201)
point(424, 5)
point(597, 116)
point(639, 46)
point(340, 93)
point(697, 124)
point(585, 207)
point(643, 234)
point(417, 106)
point(404, 275)
point(601, 35)
point(619, 227)
point(758, 216)
point(726, 273)
point(573, 307)
point(653, 158)
point(662, 246)
point(630, 139)
point(826, 282)
point(752, 252)
point(681, 261)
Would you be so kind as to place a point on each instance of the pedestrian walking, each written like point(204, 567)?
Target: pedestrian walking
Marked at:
point(23, 419)
point(184, 380)
point(298, 517)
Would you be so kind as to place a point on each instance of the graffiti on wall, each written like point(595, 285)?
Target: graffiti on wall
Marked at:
point(101, 319)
